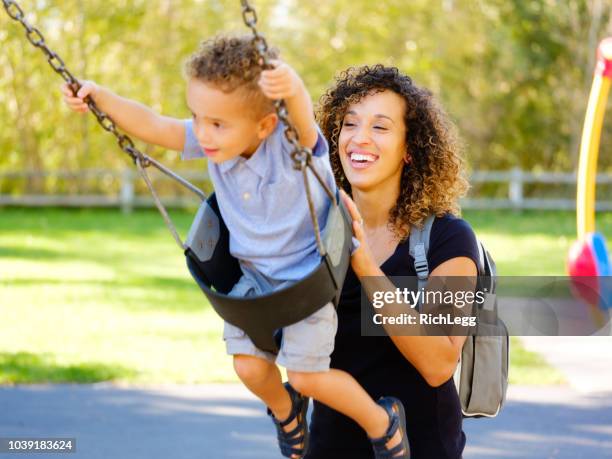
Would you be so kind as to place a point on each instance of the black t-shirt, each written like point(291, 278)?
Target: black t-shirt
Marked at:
point(433, 415)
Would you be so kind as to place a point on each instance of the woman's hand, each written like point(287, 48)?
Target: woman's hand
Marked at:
point(362, 260)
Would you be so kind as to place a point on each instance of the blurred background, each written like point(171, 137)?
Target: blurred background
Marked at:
point(514, 75)
point(92, 286)
point(90, 264)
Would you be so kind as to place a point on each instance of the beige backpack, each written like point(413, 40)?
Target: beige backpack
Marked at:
point(481, 377)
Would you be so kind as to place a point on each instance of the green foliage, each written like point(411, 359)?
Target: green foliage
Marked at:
point(514, 75)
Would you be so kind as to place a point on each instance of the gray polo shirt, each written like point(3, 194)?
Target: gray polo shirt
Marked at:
point(263, 202)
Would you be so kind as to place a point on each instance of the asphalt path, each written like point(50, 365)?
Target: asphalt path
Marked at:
point(225, 421)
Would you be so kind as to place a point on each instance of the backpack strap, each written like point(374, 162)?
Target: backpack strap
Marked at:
point(419, 246)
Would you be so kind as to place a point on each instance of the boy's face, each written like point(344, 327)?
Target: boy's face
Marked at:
point(224, 123)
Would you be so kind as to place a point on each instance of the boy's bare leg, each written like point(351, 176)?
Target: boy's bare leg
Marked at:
point(340, 391)
point(335, 388)
point(263, 378)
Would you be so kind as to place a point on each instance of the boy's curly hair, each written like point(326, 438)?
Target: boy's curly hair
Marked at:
point(434, 179)
point(229, 63)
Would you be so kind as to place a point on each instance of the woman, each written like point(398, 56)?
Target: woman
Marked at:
point(394, 152)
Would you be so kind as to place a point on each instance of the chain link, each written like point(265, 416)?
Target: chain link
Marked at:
point(301, 155)
point(37, 39)
point(13, 10)
point(126, 144)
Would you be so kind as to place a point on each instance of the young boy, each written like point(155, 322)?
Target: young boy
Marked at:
point(261, 199)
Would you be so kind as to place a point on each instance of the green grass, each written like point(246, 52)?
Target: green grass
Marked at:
point(530, 243)
point(93, 295)
point(96, 295)
point(25, 367)
point(527, 367)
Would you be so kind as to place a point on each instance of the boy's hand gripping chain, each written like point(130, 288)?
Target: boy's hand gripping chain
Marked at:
point(36, 38)
point(301, 155)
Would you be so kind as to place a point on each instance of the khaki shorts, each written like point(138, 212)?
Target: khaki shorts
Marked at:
point(306, 345)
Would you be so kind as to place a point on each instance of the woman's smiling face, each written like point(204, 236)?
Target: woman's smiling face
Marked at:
point(372, 140)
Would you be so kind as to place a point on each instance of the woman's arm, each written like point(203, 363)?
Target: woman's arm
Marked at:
point(435, 357)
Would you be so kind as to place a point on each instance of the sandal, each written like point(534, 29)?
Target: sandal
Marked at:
point(397, 420)
point(288, 441)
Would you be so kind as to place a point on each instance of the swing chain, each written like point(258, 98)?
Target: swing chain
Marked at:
point(301, 155)
point(37, 39)
point(125, 142)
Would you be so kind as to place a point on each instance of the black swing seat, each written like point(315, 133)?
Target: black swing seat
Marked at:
point(216, 272)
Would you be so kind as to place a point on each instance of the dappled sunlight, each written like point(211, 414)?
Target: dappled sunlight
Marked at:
point(561, 440)
point(59, 271)
point(595, 428)
point(159, 332)
point(517, 255)
point(25, 367)
point(530, 243)
point(530, 368)
point(103, 287)
point(165, 406)
point(488, 452)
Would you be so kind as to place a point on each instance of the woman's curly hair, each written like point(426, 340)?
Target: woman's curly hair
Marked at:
point(434, 179)
point(231, 62)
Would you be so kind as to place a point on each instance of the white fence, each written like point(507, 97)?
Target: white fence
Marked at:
point(517, 179)
point(127, 197)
